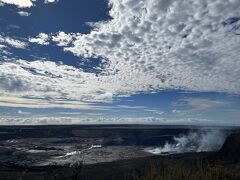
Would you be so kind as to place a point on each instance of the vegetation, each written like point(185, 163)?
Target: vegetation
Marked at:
point(77, 168)
point(182, 171)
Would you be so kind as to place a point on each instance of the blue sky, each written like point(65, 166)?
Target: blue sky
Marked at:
point(151, 62)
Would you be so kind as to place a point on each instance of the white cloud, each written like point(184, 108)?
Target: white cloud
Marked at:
point(41, 39)
point(180, 112)
point(6, 44)
point(21, 102)
point(195, 105)
point(2, 46)
point(23, 112)
point(154, 111)
point(24, 13)
point(152, 45)
point(19, 3)
point(16, 43)
point(62, 39)
point(176, 111)
point(24, 3)
point(50, 1)
point(13, 42)
point(64, 85)
point(4, 52)
point(204, 103)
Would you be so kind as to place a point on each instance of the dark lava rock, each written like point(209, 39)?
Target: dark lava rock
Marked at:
point(231, 148)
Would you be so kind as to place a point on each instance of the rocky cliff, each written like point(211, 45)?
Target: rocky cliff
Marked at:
point(231, 148)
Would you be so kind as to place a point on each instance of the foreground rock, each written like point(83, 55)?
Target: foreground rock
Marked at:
point(231, 148)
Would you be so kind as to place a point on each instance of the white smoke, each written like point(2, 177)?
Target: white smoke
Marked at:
point(198, 141)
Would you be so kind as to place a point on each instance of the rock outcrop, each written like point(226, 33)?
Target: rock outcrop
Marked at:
point(231, 148)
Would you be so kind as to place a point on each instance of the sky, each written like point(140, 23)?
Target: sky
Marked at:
point(120, 62)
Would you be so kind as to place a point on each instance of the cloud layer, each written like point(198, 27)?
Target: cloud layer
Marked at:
point(162, 44)
point(146, 47)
